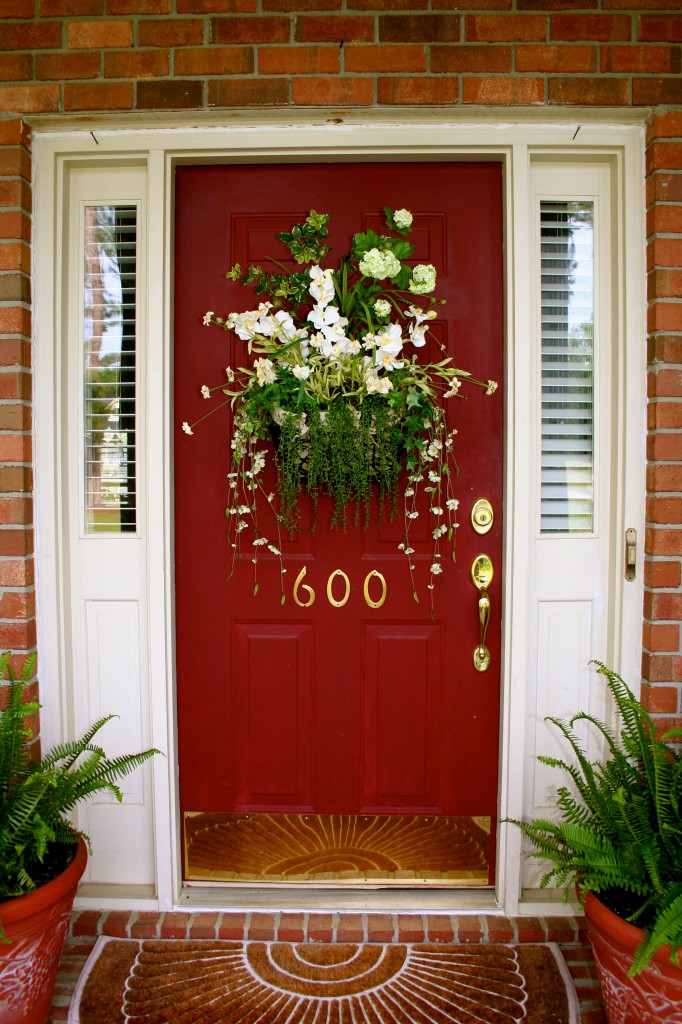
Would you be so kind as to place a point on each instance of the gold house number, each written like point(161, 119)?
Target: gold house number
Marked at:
point(300, 586)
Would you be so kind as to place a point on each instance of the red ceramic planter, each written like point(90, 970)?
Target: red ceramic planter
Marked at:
point(652, 997)
point(36, 924)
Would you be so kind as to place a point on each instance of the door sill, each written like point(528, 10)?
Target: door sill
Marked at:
point(334, 899)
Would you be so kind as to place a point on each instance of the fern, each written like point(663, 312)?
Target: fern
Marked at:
point(37, 796)
point(619, 827)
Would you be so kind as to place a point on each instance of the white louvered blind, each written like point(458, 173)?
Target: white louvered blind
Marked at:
point(567, 315)
point(109, 345)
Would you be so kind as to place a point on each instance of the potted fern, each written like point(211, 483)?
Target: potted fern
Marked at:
point(619, 837)
point(42, 856)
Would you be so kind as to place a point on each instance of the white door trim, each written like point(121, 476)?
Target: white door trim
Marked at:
point(274, 139)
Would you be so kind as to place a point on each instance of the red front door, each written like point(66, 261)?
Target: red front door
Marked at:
point(335, 709)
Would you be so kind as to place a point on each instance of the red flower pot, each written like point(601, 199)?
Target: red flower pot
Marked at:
point(36, 924)
point(652, 997)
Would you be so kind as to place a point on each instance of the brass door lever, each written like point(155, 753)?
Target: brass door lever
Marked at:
point(482, 574)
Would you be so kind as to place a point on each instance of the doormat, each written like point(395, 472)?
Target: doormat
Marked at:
point(344, 848)
point(218, 982)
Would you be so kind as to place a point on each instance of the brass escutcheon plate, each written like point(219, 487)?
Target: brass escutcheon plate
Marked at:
point(482, 572)
point(482, 516)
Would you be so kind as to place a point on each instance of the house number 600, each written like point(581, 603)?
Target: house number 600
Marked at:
point(300, 586)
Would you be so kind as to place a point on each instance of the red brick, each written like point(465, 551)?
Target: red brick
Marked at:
point(16, 542)
point(16, 448)
point(15, 352)
point(85, 922)
point(58, 66)
point(563, 59)
point(664, 156)
point(223, 60)
point(170, 32)
point(71, 8)
point(402, 5)
point(664, 252)
point(590, 92)
point(469, 928)
point(137, 63)
point(384, 58)
point(36, 35)
point(95, 35)
point(503, 91)
point(410, 928)
point(15, 320)
point(664, 606)
point(658, 541)
point(15, 384)
point(232, 926)
point(469, 57)
point(29, 99)
point(529, 929)
point(117, 923)
point(15, 193)
point(417, 91)
point(663, 125)
point(578, 28)
point(17, 572)
point(665, 283)
point(298, 6)
point(98, 96)
point(146, 925)
point(139, 7)
point(660, 28)
point(15, 255)
point(15, 224)
point(320, 928)
point(315, 92)
point(380, 928)
point(663, 219)
point(665, 349)
point(292, 928)
point(16, 9)
point(262, 927)
point(662, 574)
point(245, 92)
point(350, 928)
point(640, 59)
point(419, 28)
point(664, 316)
point(15, 67)
point(216, 6)
point(310, 28)
point(653, 91)
point(439, 928)
point(659, 637)
point(169, 95)
point(12, 132)
point(17, 604)
point(251, 30)
point(665, 383)
point(505, 28)
point(556, 5)
point(203, 926)
point(16, 511)
point(500, 929)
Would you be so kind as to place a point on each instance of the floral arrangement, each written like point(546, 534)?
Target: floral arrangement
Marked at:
point(337, 384)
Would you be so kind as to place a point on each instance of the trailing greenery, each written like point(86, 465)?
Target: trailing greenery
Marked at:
point(36, 796)
point(619, 832)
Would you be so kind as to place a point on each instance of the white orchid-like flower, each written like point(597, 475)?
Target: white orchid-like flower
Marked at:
point(328, 322)
point(389, 345)
point(376, 385)
point(322, 285)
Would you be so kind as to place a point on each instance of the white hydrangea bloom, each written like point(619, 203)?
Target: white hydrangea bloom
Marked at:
point(402, 219)
point(301, 372)
point(423, 279)
point(382, 307)
point(379, 265)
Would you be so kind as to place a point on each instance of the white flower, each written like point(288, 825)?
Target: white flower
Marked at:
point(437, 511)
point(439, 531)
point(412, 515)
point(409, 491)
point(435, 569)
point(206, 391)
point(229, 373)
point(243, 510)
point(244, 325)
point(434, 448)
point(329, 323)
point(379, 265)
point(186, 427)
point(259, 541)
point(265, 371)
point(452, 504)
point(434, 477)
point(275, 551)
point(417, 336)
point(402, 219)
point(382, 307)
point(208, 317)
point(301, 372)
point(455, 385)
point(423, 279)
point(377, 385)
point(492, 387)
point(322, 285)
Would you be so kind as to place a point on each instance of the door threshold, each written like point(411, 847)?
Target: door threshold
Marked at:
point(334, 899)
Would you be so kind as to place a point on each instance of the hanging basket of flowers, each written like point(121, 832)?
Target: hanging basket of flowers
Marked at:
point(335, 381)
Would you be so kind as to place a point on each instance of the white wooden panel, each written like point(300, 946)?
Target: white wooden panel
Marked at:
point(113, 660)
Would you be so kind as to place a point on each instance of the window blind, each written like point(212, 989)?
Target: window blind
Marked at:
point(567, 340)
point(109, 366)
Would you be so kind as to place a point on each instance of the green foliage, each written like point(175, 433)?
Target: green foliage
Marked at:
point(36, 796)
point(619, 829)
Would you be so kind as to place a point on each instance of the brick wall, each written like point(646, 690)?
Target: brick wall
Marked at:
point(62, 57)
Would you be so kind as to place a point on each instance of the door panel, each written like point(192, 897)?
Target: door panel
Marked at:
point(351, 709)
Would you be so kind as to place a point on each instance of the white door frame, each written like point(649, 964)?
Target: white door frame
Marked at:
point(275, 137)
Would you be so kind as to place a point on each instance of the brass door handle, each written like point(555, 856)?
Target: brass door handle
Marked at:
point(482, 575)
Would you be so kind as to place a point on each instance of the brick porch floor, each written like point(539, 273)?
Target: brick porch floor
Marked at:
point(289, 926)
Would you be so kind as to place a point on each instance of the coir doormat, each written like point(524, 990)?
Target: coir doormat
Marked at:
point(219, 982)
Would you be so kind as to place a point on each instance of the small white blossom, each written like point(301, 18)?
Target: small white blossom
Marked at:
point(402, 219)
point(439, 531)
point(301, 372)
point(452, 504)
point(435, 569)
point(259, 541)
point(423, 279)
point(412, 515)
point(265, 371)
point(455, 385)
point(492, 387)
point(186, 427)
point(275, 551)
point(409, 491)
point(206, 391)
point(208, 317)
point(382, 307)
point(229, 373)
point(437, 510)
